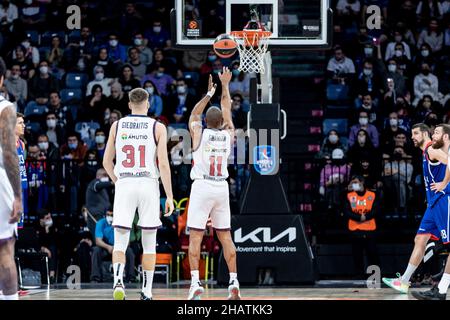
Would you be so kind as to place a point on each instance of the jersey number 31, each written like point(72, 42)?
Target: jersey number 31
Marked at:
point(130, 161)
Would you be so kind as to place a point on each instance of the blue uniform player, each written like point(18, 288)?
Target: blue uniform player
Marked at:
point(435, 159)
point(20, 145)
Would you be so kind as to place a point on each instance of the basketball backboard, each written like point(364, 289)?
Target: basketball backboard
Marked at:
point(295, 24)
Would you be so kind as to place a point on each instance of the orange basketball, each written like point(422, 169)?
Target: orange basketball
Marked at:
point(225, 46)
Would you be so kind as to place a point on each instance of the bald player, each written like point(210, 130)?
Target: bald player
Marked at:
point(210, 193)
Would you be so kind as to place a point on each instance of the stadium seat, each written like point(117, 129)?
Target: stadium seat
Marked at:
point(192, 78)
point(71, 96)
point(74, 110)
point(46, 38)
point(76, 80)
point(337, 92)
point(43, 51)
point(34, 127)
point(34, 109)
point(336, 111)
point(340, 125)
point(34, 36)
point(73, 36)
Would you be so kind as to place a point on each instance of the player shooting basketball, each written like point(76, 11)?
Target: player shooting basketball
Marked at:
point(210, 192)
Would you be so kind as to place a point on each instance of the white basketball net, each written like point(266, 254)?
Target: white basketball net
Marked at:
point(252, 49)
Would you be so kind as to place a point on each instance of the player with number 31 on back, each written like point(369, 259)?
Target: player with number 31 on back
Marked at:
point(136, 142)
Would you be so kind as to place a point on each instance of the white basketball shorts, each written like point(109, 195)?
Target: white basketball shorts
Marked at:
point(7, 230)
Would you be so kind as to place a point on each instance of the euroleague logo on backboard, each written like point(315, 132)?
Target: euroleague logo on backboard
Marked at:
point(193, 29)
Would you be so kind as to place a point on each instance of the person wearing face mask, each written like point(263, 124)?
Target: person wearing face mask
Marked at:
point(100, 143)
point(368, 82)
point(63, 113)
point(333, 177)
point(392, 50)
point(363, 124)
point(104, 246)
point(425, 83)
point(100, 79)
point(207, 66)
point(161, 79)
point(397, 176)
point(156, 103)
point(74, 149)
point(145, 53)
point(48, 240)
point(180, 103)
point(17, 86)
point(237, 112)
point(30, 53)
point(361, 209)
point(117, 52)
point(118, 100)
point(42, 84)
point(240, 83)
point(103, 60)
point(391, 129)
point(48, 150)
point(56, 134)
point(37, 179)
point(433, 36)
point(398, 85)
point(363, 148)
point(157, 36)
point(98, 197)
point(371, 175)
point(331, 141)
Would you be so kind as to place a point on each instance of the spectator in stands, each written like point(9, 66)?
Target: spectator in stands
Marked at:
point(240, 82)
point(371, 174)
point(362, 148)
point(361, 208)
point(368, 104)
point(74, 149)
point(104, 241)
point(161, 79)
point(157, 37)
point(425, 83)
point(8, 15)
point(100, 143)
point(193, 59)
point(56, 16)
point(99, 79)
point(398, 47)
point(397, 177)
point(399, 139)
point(117, 52)
point(30, 53)
point(390, 130)
point(332, 141)
point(127, 79)
point(333, 178)
point(207, 67)
point(427, 9)
point(103, 60)
point(237, 112)
point(37, 178)
point(156, 103)
point(55, 55)
point(54, 132)
point(340, 68)
point(48, 150)
point(424, 107)
point(134, 61)
point(432, 120)
point(94, 106)
point(131, 20)
point(17, 86)
point(118, 100)
point(32, 15)
point(363, 124)
point(396, 87)
point(425, 55)
point(159, 61)
point(42, 84)
point(79, 51)
point(63, 113)
point(432, 36)
point(145, 53)
point(348, 12)
point(83, 253)
point(98, 196)
point(115, 115)
point(180, 104)
point(48, 240)
point(90, 169)
point(26, 66)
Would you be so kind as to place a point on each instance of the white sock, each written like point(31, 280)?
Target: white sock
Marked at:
point(10, 297)
point(409, 272)
point(444, 283)
point(195, 276)
point(118, 272)
point(147, 282)
point(233, 276)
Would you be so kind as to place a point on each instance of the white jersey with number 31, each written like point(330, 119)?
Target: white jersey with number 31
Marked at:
point(210, 158)
point(136, 147)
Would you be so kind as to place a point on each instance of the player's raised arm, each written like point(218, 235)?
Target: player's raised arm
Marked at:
point(225, 102)
point(11, 160)
point(164, 167)
point(110, 153)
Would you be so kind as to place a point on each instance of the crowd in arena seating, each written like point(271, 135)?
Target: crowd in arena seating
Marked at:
point(71, 85)
point(381, 81)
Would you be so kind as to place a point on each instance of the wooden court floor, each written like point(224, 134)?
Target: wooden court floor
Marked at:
point(221, 294)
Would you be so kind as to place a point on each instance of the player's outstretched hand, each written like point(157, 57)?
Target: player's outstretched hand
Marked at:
point(169, 207)
point(17, 211)
point(437, 186)
point(211, 86)
point(225, 76)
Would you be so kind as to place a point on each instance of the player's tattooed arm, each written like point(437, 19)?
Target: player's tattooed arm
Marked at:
point(225, 102)
point(10, 158)
point(110, 153)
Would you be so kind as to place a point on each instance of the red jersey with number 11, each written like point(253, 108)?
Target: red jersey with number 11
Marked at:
point(210, 158)
point(136, 147)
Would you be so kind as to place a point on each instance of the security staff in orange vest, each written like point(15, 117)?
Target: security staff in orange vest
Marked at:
point(361, 208)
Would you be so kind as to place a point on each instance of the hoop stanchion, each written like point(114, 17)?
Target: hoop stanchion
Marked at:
point(252, 46)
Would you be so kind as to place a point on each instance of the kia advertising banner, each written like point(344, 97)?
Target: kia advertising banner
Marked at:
point(270, 242)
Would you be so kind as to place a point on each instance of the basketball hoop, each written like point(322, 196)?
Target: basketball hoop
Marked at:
point(252, 46)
